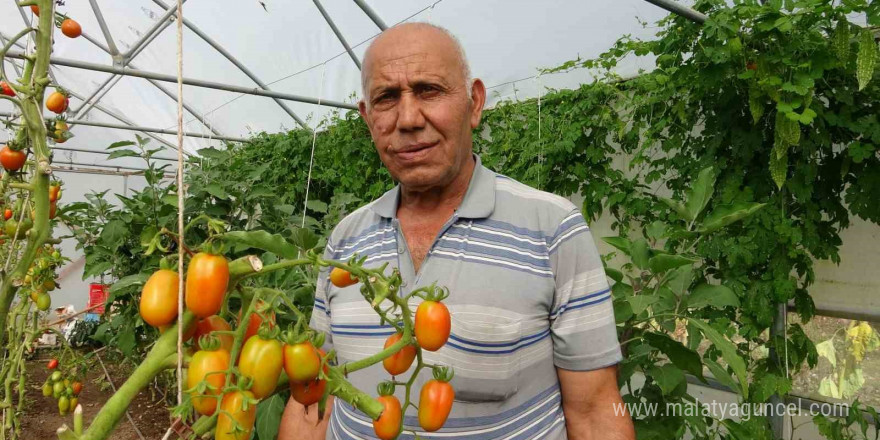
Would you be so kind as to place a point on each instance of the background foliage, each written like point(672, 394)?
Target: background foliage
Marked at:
point(779, 98)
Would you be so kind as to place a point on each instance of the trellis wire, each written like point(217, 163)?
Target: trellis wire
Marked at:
point(312, 157)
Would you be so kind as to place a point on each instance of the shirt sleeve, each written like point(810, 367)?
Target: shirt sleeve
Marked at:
point(320, 320)
point(582, 318)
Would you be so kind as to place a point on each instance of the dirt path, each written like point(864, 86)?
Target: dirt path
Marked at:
point(41, 418)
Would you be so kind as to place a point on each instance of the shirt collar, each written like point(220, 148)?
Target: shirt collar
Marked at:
point(478, 202)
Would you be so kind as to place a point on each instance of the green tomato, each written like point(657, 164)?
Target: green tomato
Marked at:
point(56, 376)
point(63, 405)
point(47, 389)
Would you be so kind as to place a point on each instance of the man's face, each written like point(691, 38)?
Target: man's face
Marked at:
point(418, 110)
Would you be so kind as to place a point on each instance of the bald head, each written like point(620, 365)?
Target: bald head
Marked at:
point(437, 37)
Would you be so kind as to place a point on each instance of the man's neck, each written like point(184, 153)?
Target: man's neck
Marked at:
point(447, 197)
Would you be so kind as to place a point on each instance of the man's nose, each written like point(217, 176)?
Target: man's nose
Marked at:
point(410, 115)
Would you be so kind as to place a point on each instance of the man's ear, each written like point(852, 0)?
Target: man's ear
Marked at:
point(478, 100)
point(362, 109)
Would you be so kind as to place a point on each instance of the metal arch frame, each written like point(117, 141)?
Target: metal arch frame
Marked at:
point(372, 14)
point(338, 33)
point(107, 111)
point(220, 49)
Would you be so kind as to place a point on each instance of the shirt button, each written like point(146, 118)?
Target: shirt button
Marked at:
point(401, 250)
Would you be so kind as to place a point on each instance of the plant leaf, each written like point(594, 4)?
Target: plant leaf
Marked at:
point(728, 353)
point(641, 302)
point(131, 280)
point(713, 295)
point(724, 215)
point(826, 350)
point(700, 193)
point(663, 262)
point(677, 207)
point(619, 242)
point(640, 253)
point(263, 240)
point(123, 153)
point(681, 356)
point(680, 279)
point(269, 417)
point(667, 376)
point(120, 144)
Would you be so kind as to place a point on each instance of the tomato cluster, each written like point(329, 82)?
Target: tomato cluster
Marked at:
point(40, 277)
point(61, 388)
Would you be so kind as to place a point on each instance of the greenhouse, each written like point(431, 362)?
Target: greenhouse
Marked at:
point(365, 219)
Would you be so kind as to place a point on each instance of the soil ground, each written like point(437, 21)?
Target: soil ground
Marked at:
point(41, 418)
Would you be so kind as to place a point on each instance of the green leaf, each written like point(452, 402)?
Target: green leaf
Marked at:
point(721, 375)
point(681, 356)
point(737, 431)
point(853, 381)
point(126, 282)
point(717, 296)
point(826, 350)
point(263, 240)
point(120, 144)
point(680, 279)
point(147, 235)
point(700, 193)
point(614, 274)
point(619, 242)
point(640, 253)
point(663, 262)
point(169, 199)
point(622, 311)
point(317, 206)
point(217, 191)
point(305, 238)
point(269, 413)
point(211, 153)
point(676, 207)
point(656, 230)
point(867, 58)
point(123, 153)
point(667, 377)
point(114, 233)
point(725, 215)
point(641, 302)
point(728, 353)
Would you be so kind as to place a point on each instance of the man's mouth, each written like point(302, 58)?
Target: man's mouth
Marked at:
point(415, 151)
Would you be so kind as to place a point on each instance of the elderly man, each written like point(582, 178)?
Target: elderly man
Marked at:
point(533, 342)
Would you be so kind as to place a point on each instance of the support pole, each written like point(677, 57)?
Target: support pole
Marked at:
point(679, 9)
point(237, 63)
point(777, 329)
point(145, 129)
point(150, 33)
point(372, 14)
point(103, 24)
point(338, 33)
point(188, 81)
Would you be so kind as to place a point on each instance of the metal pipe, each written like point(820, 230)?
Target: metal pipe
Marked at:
point(778, 329)
point(117, 167)
point(150, 40)
point(237, 63)
point(338, 33)
point(146, 36)
point(90, 171)
point(104, 28)
point(145, 129)
point(80, 150)
point(372, 14)
point(678, 9)
point(189, 81)
point(843, 312)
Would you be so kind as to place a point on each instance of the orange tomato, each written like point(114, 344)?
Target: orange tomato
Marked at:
point(433, 324)
point(57, 102)
point(71, 28)
point(206, 281)
point(261, 360)
point(387, 427)
point(158, 305)
point(301, 361)
point(399, 362)
point(12, 160)
point(342, 278)
point(208, 366)
point(235, 422)
point(307, 393)
point(210, 324)
point(435, 403)
point(36, 10)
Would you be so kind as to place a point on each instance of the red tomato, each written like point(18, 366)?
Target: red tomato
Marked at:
point(301, 361)
point(36, 10)
point(214, 323)
point(158, 305)
point(308, 393)
point(435, 402)
point(342, 278)
point(57, 102)
point(256, 321)
point(261, 360)
point(7, 214)
point(76, 387)
point(400, 361)
point(387, 427)
point(235, 422)
point(12, 160)
point(206, 281)
point(208, 366)
point(432, 325)
point(6, 89)
point(71, 28)
point(53, 364)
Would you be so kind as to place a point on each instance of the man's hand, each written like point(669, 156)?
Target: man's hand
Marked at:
point(296, 424)
point(589, 400)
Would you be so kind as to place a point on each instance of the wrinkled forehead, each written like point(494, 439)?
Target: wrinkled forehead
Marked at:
point(411, 53)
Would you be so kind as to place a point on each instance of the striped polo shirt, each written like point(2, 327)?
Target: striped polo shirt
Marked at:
point(527, 294)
